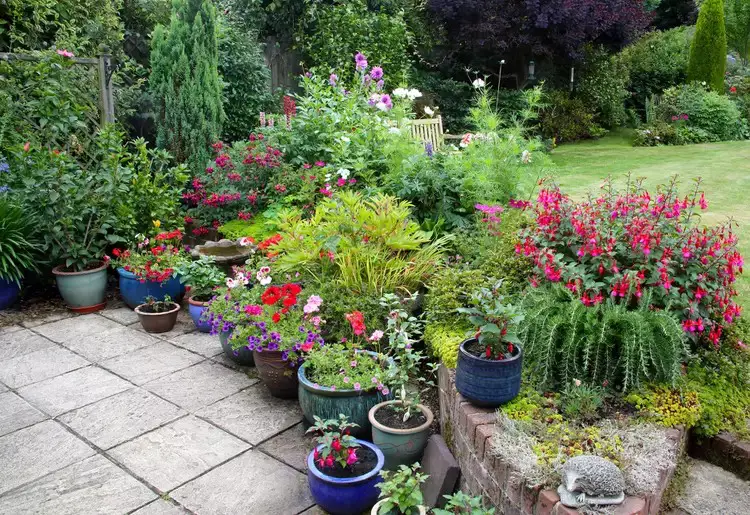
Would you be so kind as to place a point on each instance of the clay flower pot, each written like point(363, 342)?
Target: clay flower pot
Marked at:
point(158, 322)
point(276, 374)
point(84, 291)
point(400, 446)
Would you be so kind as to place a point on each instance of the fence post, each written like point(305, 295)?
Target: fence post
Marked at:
point(105, 86)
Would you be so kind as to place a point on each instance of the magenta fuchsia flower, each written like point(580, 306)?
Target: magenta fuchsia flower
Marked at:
point(376, 73)
point(320, 163)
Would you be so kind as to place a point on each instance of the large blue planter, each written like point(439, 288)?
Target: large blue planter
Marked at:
point(345, 496)
point(328, 404)
point(488, 383)
point(242, 356)
point(196, 309)
point(134, 292)
point(9, 291)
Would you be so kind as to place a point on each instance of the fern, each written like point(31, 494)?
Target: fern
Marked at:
point(624, 345)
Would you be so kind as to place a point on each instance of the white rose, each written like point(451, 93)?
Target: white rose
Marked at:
point(428, 111)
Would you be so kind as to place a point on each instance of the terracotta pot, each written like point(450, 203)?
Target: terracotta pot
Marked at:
point(158, 322)
point(280, 378)
point(400, 446)
point(84, 291)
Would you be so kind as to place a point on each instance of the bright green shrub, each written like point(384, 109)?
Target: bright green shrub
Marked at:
point(443, 340)
point(567, 119)
point(714, 113)
point(708, 50)
point(185, 83)
point(737, 18)
point(602, 86)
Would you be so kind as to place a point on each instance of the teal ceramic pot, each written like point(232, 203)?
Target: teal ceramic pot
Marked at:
point(400, 446)
point(83, 292)
point(328, 404)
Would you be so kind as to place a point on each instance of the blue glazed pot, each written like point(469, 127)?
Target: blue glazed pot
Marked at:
point(196, 309)
point(488, 383)
point(243, 356)
point(345, 496)
point(9, 291)
point(134, 292)
point(328, 404)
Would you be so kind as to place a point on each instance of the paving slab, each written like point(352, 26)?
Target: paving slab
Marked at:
point(110, 343)
point(178, 452)
point(3, 388)
point(16, 413)
point(38, 366)
point(122, 315)
point(202, 343)
point(20, 342)
point(225, 361)
point(35, 451)
point(119, 418)
point(151, 362)
point(160, 507)
point(252, 484)
point(292, 447)
point(711, 490)
point(253, 414)
point(200, 385)
point(92, 486)
point(70, 329)
point(73, 390)
point(315, 510)
point(7, 329)
point(46, 319)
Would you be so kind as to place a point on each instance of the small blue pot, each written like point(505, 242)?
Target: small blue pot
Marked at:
point(9, 291)
point(134, 292)
point(196, 309)
point(488, 383)
point(345, 496)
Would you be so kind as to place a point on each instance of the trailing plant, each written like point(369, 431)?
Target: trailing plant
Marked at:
point(400, 490)
point(20, 239)
point(708, 50)
point(202, 276)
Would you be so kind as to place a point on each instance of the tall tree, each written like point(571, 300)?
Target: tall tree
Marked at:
point(185, 82)
point(708, 51)
point(737, 13)
point(674, 13)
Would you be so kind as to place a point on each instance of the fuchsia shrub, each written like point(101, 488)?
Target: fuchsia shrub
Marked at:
point(618, 244)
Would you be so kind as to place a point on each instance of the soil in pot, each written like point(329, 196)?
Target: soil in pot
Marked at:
point(368, 460)
point(389, 416)
point(478, 350)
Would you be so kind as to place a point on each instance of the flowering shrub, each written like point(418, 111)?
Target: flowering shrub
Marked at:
point(339, 367)
point(336, 444)
point(153, 260)
point(619, 245)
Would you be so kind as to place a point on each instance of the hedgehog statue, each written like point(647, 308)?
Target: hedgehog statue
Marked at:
point(591, 480)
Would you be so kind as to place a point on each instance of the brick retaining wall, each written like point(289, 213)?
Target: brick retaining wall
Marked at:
point(468, 429)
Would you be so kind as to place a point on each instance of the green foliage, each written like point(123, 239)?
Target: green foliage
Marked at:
point(708, 50)
point(185, 82)
point(664, 133)
point(707, 110)
point(450, 96)
point(202, 276)
point(400, 490)
point(565, 340)
point(340, 300)
point(566, 118)
point(443, 341)
point(603, 86)
point(343, 368)
point(463, 504)
point(259, 228)
point(19, 240)
point(364, 244)
point(582, 402)
point(737, 21)
point(330, 36)
point(670, 407)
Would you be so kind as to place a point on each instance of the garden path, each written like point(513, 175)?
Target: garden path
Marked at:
point(97, 416)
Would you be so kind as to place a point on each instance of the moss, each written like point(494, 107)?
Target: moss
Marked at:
point(677, 485)
point(258, 228)
point(443, 341)
point(668, 407)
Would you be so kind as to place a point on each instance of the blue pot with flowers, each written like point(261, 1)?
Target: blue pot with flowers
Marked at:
point(202, 276)
point(343, 471)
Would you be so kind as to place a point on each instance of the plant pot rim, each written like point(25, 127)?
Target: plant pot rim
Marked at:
point(374, 511)
point(338, 392)
point(131, 275)
point(58, 270)
point(138, 310)
point(469, 355)
point(427, 412)
point(348, 480)
point(200, 303)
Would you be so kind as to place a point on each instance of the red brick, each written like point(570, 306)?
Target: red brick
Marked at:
point(529, 495)
point(464, 411)
point(632, 506)
point(514, 490)
point(561, 509)
point(482, 436)
point(546, 502)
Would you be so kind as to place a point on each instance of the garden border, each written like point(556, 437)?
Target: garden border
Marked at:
point(468, 429)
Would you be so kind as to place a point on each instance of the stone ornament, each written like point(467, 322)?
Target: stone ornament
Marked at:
point(591, 480)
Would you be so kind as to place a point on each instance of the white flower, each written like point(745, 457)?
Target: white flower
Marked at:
point(263, 279)
point(344, 173)
point(345, 139)
point(428, 111)
point(241, 278)
point(526, 157)
point(244, 242)
point(328, 177)
point(400, 92)
point(413, 94)
point(478, 83)
point(394, 130)
point(231, 283)
point(381, 106)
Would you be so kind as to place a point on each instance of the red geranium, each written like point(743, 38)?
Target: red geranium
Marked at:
point(271, 296)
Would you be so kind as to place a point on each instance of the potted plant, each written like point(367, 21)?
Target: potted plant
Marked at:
point(463, 504)
point(489, 363)
point(150, 270)
point(19, 246)
point(342, 471)
point(400, 427)
point(158, 316)
point(202, 277)
point(400, 492)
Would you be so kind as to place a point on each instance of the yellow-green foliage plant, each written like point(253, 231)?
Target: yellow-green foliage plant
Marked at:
point(443, 340)
point(364, 243)
point(669, 407)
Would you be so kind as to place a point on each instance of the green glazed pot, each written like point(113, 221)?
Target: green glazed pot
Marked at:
point(400, 446)
point(328, 404)
point(83, 292)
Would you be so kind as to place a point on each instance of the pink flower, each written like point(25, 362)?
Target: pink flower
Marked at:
point(376, 336)
point(254, 310)
point(65, 53)
point(346, 380)
point(357, 386)
point(353, 363)
point(385, 390)
point(320, 163)
point(352, 458)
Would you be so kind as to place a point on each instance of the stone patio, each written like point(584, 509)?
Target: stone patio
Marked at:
point(97, 416)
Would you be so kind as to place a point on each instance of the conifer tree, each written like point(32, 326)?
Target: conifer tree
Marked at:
point(708, 51)
point(185, 82)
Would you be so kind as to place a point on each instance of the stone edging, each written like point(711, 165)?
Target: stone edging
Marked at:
point(468, 429)
point(724, 450)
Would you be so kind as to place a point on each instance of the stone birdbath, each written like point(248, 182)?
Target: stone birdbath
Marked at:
point(226, 253)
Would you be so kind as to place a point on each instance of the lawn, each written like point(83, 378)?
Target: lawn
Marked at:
point(724, 168)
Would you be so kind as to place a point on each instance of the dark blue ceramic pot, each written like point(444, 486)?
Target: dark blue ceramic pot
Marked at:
point(9, 291)
point(346, 496)
point(242, 356)
point(485, 382)
point(196, 309)
point(134, 292)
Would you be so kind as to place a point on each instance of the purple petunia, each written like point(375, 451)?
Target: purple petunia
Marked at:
point(376, 72)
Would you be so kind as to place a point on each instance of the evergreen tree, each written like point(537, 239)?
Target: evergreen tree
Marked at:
point(185, 82)
point(738, 27)
point(708, 51)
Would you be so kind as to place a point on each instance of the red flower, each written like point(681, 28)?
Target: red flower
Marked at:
point(336, 445)
point(116, 252)
point(276, 317)
point(271, 296)
point(733, 89)
point(357, 321)
point(288, 302)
